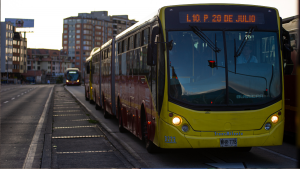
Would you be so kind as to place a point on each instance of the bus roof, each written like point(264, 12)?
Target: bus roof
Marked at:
point(72, 69)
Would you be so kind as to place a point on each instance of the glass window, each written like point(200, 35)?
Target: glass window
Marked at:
point(145, 36)
point(253, 70)
point(65, 26)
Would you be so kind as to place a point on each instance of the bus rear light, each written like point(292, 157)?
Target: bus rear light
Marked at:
point(176, 120)
point(274, 119)
point(149, 122)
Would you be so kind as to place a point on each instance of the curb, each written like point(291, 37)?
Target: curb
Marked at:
point(124, 145)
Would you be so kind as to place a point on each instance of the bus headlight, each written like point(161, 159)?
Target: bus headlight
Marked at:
point(67, 80)
point(176, 120)
point(274, 119)
point(268, 126)
point(78, 81)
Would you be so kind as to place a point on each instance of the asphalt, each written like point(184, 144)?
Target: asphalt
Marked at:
point(77, 140)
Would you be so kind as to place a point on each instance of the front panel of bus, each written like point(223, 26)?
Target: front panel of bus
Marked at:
point(224, 77)
point(73, 77)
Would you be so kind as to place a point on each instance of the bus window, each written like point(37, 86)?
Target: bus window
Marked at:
point(145, 39)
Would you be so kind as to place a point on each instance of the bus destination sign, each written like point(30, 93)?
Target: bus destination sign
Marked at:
point(221, 17)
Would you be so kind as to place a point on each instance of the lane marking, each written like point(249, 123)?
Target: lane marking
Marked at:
point(77, 152)
point(18, 96)
point(12, 98)
point(32, 148)
point(6, 102)
point(74, 127)
point(290, 158)
point(87, 136)
point(68, 115)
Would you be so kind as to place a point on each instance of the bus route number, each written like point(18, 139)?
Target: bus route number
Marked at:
point(170, 139)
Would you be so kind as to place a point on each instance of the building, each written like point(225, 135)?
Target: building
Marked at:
point(13, 54)
point(88, 30)
point(46, 64)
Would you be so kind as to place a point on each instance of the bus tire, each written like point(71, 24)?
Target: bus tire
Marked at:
point(121, 127)
point(105, 113)
point(93, 101)
point(86, 98)
point(150, 146)
point(97, 107)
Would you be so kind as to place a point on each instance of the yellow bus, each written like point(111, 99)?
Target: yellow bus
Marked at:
point(198, 76)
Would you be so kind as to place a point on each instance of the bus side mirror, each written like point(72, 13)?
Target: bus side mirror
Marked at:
point(88, 69)
point(286, 45)
point(152, 47)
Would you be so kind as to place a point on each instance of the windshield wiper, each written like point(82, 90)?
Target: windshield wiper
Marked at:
point(238, 52)
point(203, 37)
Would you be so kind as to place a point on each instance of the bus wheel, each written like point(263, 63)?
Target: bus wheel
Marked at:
point(97, 107)
point(106, 115)
point(86, 98)
point(150, 146)
point(121, 127)
point(93, 101)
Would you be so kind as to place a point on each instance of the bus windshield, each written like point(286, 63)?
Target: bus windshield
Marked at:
point(72, 75)
point(200, 75)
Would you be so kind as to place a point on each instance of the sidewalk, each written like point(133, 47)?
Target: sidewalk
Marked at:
point(76, 139)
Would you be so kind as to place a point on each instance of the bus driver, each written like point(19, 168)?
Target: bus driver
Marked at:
point(246, 56)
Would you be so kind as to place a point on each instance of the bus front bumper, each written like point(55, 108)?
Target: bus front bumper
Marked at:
point(171, 137)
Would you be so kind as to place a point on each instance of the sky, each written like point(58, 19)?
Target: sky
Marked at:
point(48, 15)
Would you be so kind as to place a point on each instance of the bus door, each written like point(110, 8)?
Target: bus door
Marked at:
point(135, 91)
point(131, 92)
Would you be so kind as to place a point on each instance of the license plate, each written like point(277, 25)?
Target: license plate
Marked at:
point(228, 142)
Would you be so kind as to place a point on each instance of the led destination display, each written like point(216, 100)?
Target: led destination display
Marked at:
point(221, 17)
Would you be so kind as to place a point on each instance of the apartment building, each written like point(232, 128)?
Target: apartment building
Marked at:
point(10, 53)
point(88, 30)
point(43, 64)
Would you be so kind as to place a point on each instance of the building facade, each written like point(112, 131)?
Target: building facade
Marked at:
point(46, 64)
point(88, 30)
point(13, 54)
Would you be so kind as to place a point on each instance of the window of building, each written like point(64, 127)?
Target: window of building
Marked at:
point(65, 42)
point(65, 36)
point(77, 47)
point(78, 42)
point(78, 26)
point(53, 68)
point(65, 26)
point(65, 31)
point(28, 67)
point(77, 36)
point(65, 21)
point(77, 63)
point(77, 31)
